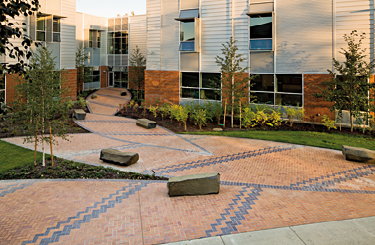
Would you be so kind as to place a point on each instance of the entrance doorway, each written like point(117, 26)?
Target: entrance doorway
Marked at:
point(111, 77)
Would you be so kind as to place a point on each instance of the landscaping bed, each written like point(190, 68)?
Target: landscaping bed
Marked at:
point(64, 169)
point(177, 127)
point(9, 129)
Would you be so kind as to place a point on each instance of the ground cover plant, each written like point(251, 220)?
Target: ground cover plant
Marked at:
point(18, 163)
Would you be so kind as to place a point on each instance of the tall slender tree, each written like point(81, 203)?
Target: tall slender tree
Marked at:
point(349, 86)
point(234, 83)
point(137, 71)
point(83, 71)
point(41, 106)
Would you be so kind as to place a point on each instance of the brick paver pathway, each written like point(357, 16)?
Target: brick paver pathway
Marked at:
point(263, 185)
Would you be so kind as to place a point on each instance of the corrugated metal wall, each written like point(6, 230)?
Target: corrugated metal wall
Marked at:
point(170, 38)
point(241, 29)
point(153, 34)
point(354, 15)
point(68, 34)
point(304, 36)
point(137, 34)
point(17, 42)
point(216, 30)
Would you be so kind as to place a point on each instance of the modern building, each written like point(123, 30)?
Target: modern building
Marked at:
point(290, 44)
point(108, 43)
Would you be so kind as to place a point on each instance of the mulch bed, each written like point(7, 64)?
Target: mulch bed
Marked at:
point(191, 127)
point(7, 128)
point(64, 169)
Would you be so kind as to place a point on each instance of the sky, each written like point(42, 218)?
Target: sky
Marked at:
point(111, 8)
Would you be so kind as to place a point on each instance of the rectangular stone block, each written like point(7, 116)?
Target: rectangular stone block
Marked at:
point(118, 157)
point(145, 123)
point(193, 185)
point(358, 154)
point(80, 114)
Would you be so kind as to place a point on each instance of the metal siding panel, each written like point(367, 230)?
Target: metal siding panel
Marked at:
point(137, 34)
point(68, 31)
point(354, 15)
point(169, 36)
point(304, 41)
point(241, 30)
point(153, 34)
point(216, 30)
point(17, 42)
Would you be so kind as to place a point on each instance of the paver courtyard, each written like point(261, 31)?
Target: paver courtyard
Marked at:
point(263, 185)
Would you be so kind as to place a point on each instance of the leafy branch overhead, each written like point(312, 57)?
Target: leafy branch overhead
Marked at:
point(9, 29)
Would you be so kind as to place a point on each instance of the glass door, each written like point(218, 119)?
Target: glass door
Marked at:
point(110, 78)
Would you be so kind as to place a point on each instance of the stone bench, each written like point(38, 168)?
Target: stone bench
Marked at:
point(145, 123)
point(358, 154)
point(193, 185)
point(80, 114)
point(118, 157)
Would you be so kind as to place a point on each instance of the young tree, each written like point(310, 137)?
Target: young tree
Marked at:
point(41, 105)
point(8, 30)
point(138, 65)
point(349, 88)
point(235, 85)
point(83, 71)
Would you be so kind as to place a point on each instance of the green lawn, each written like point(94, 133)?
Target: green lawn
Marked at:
point(12, 156)
point(324, 140)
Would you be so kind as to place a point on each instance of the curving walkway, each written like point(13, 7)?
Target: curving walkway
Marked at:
point(263, 185)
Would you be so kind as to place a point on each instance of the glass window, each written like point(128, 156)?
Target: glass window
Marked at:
point(263, 98)
point(56, 25)
point(41, 23)
point(40, 36)
point(187, 46)
point(289, 83)
point(261, 26)
point(261, 32)
point(189, 79)
point(56, 37)
point(187, 31)
point(117, 44)
point(289, 99)
point(263, 83)
point(2, 89)
point(192, 13)
point(124, 43)
point(200, 86)
point(111, 43)
point(190, 93)
point(211, 80)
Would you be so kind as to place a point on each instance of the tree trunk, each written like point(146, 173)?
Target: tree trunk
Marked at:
point(225, 112)
point(240, 115)
point(50, 141)
point(36, 144)
point(351, 121)
point(232, 115)
point(185, 126)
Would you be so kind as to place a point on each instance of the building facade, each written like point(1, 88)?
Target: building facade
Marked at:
point(108, 44)
point(289, 44)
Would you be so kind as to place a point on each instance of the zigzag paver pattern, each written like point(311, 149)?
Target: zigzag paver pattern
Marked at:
point(264, 185)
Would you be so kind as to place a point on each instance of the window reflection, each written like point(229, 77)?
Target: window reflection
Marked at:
point(187, 31)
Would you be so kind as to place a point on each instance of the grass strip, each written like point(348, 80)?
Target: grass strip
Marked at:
point(317, 139)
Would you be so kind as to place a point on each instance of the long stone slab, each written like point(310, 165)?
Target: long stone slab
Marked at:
point(118, 157)
point(194, 184)
point(79, 114)
point(145, 123)
point(358, 154)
